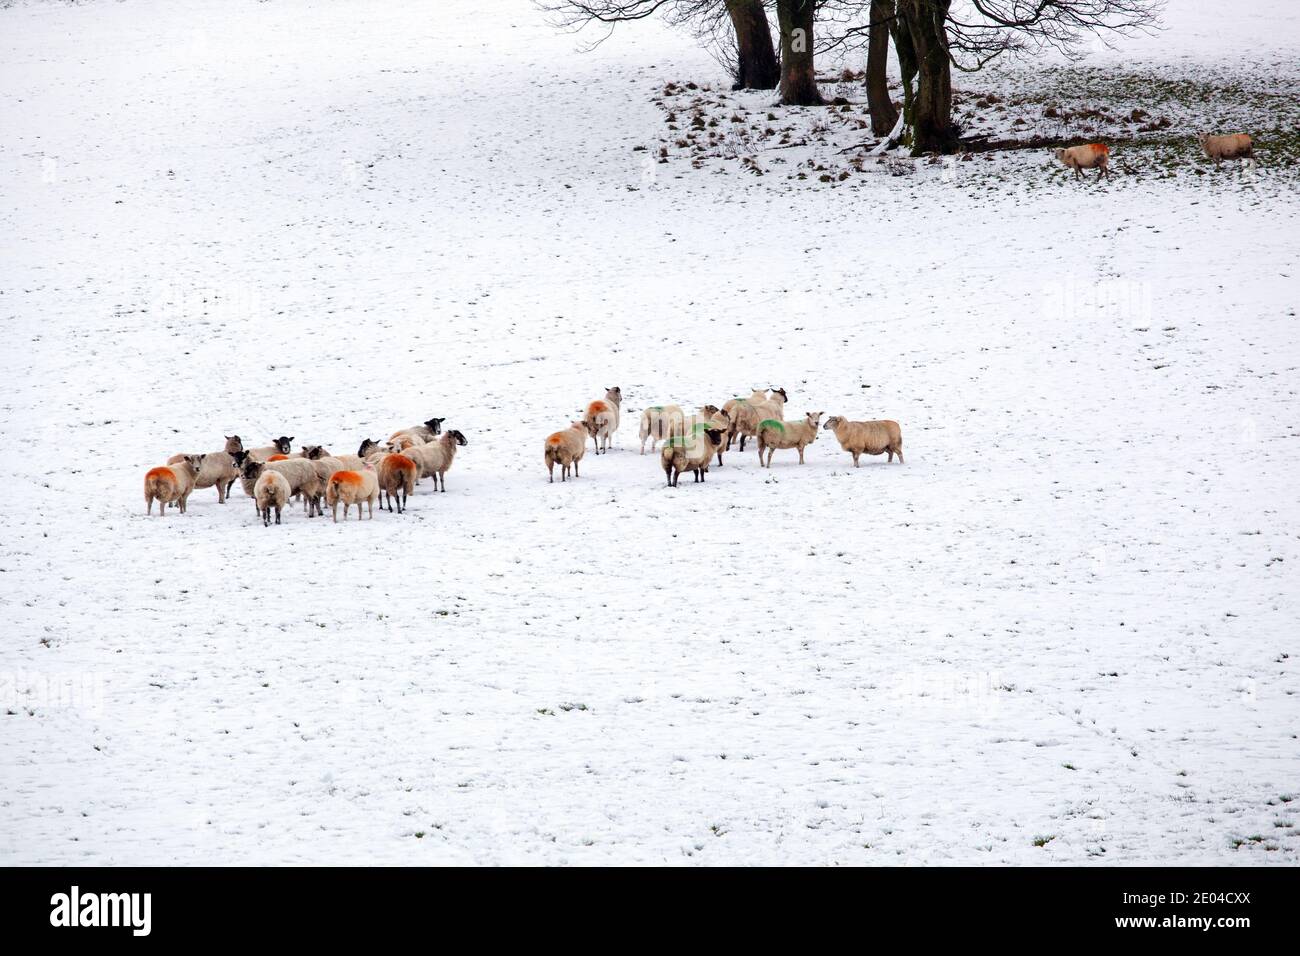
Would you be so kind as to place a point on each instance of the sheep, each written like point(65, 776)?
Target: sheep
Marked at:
point(302, 475)
point(220, 468)
point(397, 473)
point(565, 448)
point(691, 449)
point(168, 483)
point(1230, 146)
point(867, 438)
point(755, 410)
point(368, 450)
point(658, 421)
point(423, 433)
point(270, 491)
point(436, 457)
point(278, 446)
point(719, 418)
point(1093, 156)
point(602, 418)
point(352, 488)
point(774, 434)
point(733, 409)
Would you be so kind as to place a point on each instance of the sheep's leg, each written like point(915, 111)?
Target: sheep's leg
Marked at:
point(148, 504)
point(855, 460)
point(334, 509)
point(277, 514)
point(899, 452)
point(801, 454)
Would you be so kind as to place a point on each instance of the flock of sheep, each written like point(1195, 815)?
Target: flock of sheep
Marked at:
point(693, 442)
point(1097, 155)
point(388, 473)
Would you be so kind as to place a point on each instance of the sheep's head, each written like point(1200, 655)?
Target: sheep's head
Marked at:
point(313, 452)
point(457, 437)
point(714, 434)
point(590, 424)
point(285, 445)
point(1202, 138)
point(435, 425)
point(194, 462)
point(368, 447)
point(614, 394)
point(233, 444)
point(239, 458)
point(831, 423)
point(252, 470)
point(709, 410)
point(1059, 154)
point(815, 419)
point(781, 392)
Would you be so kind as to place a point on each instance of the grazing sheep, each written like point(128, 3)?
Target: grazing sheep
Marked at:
point(168, 483)
point(659, 421)
point(397, 474)
point(423, 434)
point(352, 488)
point(1230, 146)
point(436, 457)
point(690, 449)
point(751, 412)
point(774, 434)
point(867, 438)
point(602, 418)
point(1093, 156)
point(565, 448)
point(271, 491)
point(220, 468)
point(278, 446)
point(302, 475)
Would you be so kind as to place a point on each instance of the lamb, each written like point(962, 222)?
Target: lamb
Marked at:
point(436, 457)
point(171, 483)
point(602, 418)
point(397, 473)
point(271, 491)
point(422, 433)
point(302, 475)
point(352, 488)
point(774, 434)
point(691, 449)
point(1093, 156)
point(1231, 146)
point(659, 421)
point(220, 468)
point(565, 448)
point(867, 438)
point(278, 446)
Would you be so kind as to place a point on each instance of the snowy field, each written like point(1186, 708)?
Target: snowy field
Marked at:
point(1065, 631)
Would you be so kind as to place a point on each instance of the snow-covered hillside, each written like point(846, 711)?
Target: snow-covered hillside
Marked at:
point(1064, 631)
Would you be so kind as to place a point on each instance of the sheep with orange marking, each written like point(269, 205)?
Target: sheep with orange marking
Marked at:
point(220, 468)
point(867, 438)
point(352, 488)
point(397, 475)
point(602, 418)
point(565, 448)
point(1093, 156)
point(435, 458)
point(171, 483)
point(367, 452)
point(1230, 146)
point(271, 491)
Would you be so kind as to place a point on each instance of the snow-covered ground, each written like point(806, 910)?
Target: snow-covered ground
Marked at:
point(1063, 632)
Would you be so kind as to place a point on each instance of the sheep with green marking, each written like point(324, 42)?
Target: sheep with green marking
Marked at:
point(774, 434)
point(747, 413)
point(690, 449)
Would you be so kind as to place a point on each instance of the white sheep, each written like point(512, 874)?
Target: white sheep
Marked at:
point(734, 408)
point(279, 446)
point(171, 483)
point(368, 450)
point(352, 488)
point(749, 413)
point(602, 418)
point(1229, 146)
point(659, 421)
point(271, 491)
point(423, 434)
point(867, 438)
point(303, 477)
point(690, 449)
point(774, 434)
point(1093, 156)
point(435, 458)
point(220, 468)
point(565, 448)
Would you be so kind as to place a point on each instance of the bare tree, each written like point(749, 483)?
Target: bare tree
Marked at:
point(883, 114)
point(798, 72)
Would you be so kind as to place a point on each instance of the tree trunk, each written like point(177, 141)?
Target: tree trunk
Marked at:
point(798, 79)
point(883, 114)
point(931, 114)
point(756, 66)
point(906, 54)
